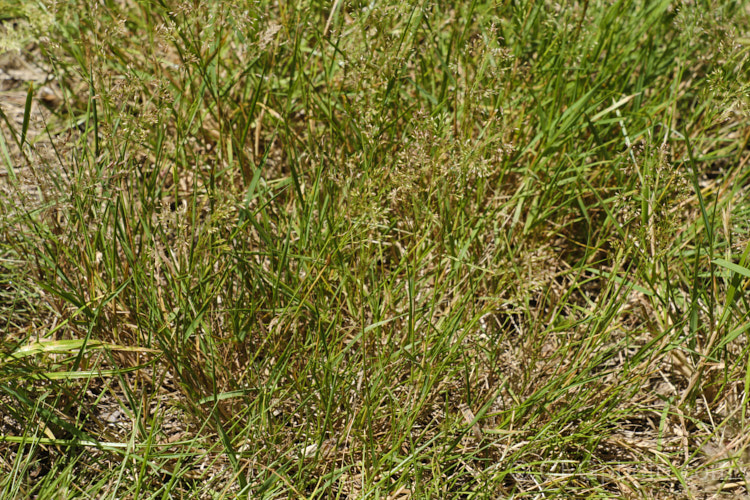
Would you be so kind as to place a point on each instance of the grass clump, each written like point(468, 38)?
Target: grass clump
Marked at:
point(396, 249)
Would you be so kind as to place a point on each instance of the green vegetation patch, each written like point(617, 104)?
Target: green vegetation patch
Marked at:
point(348, 249)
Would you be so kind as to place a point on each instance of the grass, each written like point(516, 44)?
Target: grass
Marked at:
point(376, 250)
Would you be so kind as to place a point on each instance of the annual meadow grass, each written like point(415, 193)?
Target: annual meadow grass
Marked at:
point(351, 249)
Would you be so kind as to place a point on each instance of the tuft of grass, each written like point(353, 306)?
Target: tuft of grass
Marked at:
point(390, 249)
